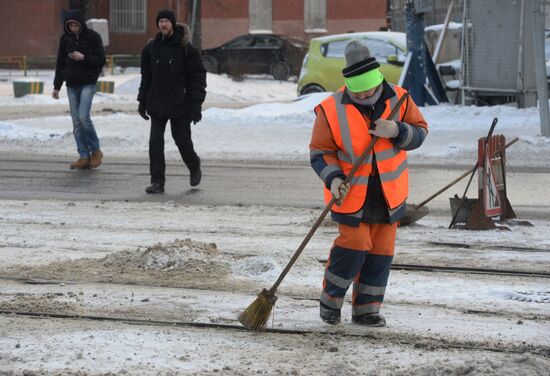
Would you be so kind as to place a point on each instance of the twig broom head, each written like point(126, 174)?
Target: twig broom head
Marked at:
point(256, 315)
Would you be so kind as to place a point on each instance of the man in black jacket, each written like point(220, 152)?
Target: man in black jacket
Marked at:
point(173, 82)
point(80, 59)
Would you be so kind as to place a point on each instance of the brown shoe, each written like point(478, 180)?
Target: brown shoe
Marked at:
point(97, 156)
point(81, 164)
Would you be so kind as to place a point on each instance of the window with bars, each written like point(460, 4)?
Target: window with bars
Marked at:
point(315, 16)
point(260, 16)
point(128, 16)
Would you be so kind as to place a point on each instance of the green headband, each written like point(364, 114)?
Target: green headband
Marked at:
point(364, 81)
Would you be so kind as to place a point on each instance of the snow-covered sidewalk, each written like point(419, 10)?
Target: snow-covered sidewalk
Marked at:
point(278, 127)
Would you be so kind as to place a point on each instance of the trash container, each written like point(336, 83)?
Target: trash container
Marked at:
point(21, 88)
point(105, 86)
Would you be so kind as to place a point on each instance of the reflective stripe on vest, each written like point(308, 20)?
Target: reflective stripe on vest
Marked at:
point(350, 131)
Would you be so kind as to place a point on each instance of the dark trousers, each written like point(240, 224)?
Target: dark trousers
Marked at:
point(181, 133)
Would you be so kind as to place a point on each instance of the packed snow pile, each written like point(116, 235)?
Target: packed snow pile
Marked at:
point(179, 263)
point(180, 255)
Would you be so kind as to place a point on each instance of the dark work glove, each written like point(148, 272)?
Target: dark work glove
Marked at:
point(142, 109)
point(195, 114)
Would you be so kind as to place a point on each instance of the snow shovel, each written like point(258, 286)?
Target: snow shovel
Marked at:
point(415, 212)
point(256, 315)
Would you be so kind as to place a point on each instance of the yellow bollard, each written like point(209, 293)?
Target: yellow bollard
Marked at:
point(105, 87)
point(21, 88)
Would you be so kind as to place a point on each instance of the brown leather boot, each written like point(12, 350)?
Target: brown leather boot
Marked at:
point(97, 156)
point(81, 164)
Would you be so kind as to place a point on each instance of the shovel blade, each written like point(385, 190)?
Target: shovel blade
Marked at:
point(413, 214)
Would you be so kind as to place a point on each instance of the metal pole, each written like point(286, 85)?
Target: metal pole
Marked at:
point(464, 54)
point(519, 74)
point(416, 44)
point(443, 33)
point(193, 16)
point(540, 68)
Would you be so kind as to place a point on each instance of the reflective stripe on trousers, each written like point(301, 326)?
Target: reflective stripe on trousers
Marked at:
point(361, 255)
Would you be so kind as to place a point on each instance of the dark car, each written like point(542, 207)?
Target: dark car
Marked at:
point(271, 54)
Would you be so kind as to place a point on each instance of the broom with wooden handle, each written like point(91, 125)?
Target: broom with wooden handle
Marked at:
point(256, 315)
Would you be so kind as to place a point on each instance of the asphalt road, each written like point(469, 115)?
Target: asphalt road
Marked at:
point(222, 184)
point(238, 183)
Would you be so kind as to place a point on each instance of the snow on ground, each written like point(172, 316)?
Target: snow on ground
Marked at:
point(205, 264)
point(209, 269)
point(221, 89)
point(277, 130)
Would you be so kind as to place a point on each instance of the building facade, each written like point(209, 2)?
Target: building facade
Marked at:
point(33, 27)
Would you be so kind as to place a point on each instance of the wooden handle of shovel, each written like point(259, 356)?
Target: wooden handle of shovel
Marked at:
point(327, 208)
point(514, 140)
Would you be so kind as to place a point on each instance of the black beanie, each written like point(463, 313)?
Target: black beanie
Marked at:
point(168, 14)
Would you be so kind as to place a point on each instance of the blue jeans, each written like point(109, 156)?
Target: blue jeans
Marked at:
point(80, 103)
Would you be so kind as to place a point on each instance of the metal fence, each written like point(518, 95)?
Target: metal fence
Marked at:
point(497, 51)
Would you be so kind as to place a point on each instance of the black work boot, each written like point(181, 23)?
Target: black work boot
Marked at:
point(329, 315)
point(195, 176)
point(155, 188)
point(370, 319)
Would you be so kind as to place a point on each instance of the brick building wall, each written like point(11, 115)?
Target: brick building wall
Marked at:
point(133, 43)
point(223, 20)
point(288, 19)
point(30, 27)
point(356, 15)
point(33, 27)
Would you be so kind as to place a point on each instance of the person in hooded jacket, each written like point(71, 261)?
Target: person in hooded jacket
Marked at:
point(80, 59)
point(173, 83)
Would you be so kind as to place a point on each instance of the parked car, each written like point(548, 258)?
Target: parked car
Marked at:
point(323, 64)
point(271, 54)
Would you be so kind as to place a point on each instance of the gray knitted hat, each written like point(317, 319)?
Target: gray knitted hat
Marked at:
point(361, 72)
point(358, 59)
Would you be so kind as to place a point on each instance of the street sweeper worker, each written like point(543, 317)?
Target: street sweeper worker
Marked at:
point(368, 209)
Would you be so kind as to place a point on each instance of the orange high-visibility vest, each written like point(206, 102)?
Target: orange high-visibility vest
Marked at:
point(350, 131)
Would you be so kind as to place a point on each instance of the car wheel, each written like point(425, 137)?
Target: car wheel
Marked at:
point(312, 89)
point(210, 64)
point(280, 71)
